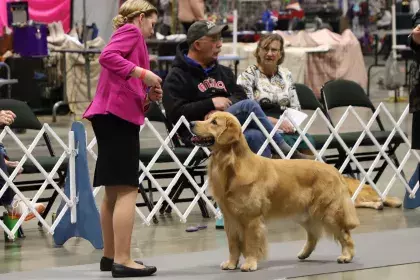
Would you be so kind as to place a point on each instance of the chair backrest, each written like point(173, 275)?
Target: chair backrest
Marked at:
point(25, 118)
point(344, 93)
point(307, 98)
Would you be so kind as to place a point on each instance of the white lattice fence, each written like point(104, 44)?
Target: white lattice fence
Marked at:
point(69, 151)
point(335, 133)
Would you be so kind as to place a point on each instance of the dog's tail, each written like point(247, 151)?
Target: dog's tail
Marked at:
point(350, 219)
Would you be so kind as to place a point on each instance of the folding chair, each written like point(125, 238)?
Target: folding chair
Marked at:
point(309, 101)
point(344, 93)
point(195, 168)
point(26, 119)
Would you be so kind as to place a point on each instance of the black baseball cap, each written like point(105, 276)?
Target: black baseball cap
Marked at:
point(203, 28)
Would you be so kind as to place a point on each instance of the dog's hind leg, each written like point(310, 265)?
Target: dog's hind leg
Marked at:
point(232, 229)
point(255, 244)
point(313, 233)
point(347, 245)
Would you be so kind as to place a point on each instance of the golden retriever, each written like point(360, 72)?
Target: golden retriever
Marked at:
point(250, 189)
point(368, 198)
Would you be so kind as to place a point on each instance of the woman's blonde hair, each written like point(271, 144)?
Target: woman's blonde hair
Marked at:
point(265, 41)
point(132, 9)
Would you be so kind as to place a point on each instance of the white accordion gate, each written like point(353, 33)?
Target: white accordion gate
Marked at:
point(164, 145)
point(71, 152)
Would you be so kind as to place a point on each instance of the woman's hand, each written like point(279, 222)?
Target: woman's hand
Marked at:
point(151, 79)
point(287, 127)
point(148, 77)
point(155, 93)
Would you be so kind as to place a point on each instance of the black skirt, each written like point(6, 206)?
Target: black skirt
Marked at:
point(415, 138)
point(118, 151)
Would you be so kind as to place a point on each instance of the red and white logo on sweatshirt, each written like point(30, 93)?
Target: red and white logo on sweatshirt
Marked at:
point(211, 83)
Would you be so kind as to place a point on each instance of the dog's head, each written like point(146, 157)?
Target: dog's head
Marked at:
point(220, 129)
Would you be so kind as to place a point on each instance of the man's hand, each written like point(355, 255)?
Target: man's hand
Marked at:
point(415, 34)
point(155, 93)
point(221, 103)
point(7, 117)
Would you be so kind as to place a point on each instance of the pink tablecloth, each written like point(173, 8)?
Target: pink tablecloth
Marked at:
point(344, 61)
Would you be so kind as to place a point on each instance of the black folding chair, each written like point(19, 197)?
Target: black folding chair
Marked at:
point(344, 93)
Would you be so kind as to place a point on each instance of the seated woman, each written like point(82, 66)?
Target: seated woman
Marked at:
point(272, 86)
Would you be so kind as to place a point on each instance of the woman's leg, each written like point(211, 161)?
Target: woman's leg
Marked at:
point(123, 222)
point(302, 147)
point(244, 108)
point(107, 211)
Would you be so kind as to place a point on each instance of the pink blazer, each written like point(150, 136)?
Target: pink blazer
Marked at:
point(117, 92)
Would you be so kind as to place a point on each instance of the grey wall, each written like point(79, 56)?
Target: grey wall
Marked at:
point(99, 11)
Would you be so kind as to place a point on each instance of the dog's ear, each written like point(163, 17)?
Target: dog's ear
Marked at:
point(229, 134)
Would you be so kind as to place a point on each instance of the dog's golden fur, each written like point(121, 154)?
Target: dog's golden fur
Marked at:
point(250, 189)
point(368, 198)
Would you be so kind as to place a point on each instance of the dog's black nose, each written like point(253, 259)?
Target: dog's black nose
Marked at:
point(192, 124)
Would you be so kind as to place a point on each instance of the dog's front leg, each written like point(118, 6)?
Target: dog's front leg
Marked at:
point(255, 244)
point(234, 240)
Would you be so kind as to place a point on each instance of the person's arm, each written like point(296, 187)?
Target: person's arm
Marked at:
point(246, 80)
point(113, 55)
point(294, 100)
point(177, 100)
point(236, 91)
point(415, 46)
point(197, 9)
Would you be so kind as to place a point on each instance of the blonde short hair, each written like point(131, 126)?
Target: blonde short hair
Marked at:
point(265, 41)
point(132, 9)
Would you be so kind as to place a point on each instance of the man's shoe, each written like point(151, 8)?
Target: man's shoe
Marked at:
point(106, 264)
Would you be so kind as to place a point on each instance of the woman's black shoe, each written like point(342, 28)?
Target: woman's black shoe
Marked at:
point(106, 263)
point(120, 271)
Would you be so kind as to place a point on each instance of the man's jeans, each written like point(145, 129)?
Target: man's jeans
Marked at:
point(8, 195)
point(253, 135)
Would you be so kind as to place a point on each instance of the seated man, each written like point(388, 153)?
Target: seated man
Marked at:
point(197, 86)
point(10, 200)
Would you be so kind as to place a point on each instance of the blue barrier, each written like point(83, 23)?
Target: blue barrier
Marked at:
point(411, 203)
point(88, 224)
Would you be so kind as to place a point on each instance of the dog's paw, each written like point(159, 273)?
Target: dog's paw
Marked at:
point(344, 259)
point(228, 265)
point(379, 206)
point(303, 255)
point(249, 266)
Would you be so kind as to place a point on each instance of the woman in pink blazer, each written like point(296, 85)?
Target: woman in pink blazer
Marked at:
point(125, 88)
